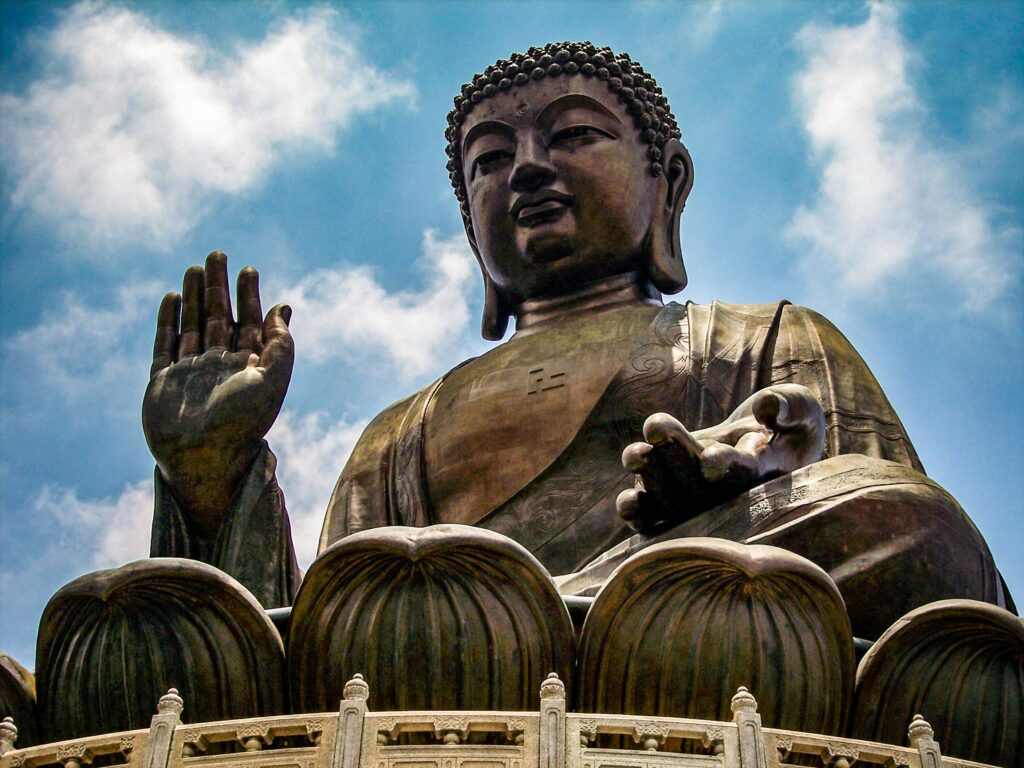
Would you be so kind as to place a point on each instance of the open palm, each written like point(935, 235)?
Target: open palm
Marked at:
point(216, 387)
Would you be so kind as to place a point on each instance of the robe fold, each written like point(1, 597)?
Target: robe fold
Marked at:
point(699, 363)
point(253, 545)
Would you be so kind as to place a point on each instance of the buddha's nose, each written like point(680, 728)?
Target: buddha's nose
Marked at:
point(532, 168)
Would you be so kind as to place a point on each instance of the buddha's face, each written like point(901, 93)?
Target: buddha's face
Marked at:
point(560, 192)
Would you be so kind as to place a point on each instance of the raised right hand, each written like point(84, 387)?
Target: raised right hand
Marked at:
point(215, 388)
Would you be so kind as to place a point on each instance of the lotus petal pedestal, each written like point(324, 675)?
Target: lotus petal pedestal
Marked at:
point(111, 641)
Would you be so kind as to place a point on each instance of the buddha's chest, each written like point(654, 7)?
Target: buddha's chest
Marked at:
point(500, 420)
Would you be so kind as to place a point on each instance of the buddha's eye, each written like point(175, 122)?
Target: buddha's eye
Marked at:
point(486, 162)
point(578, 134)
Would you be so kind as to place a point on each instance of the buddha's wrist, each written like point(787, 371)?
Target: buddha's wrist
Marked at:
point(205, 484)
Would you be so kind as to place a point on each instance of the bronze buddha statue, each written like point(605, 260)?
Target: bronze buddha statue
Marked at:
point(641, 453)
point(607, 421)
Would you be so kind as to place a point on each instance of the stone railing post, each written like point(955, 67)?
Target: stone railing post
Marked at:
point(552, 723)
point(8, 735)
point(161, 730)
point(348, 743)
point(922, 738)
point(748, 730)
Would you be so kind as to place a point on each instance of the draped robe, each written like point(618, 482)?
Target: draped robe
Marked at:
point(866, 513)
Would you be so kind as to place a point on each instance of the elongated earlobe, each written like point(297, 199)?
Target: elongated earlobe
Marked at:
point(665, 267)
point(496, 313)
point(496, 310)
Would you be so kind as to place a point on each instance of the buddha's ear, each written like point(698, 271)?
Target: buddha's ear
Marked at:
point(665, 259)
point(496, 313)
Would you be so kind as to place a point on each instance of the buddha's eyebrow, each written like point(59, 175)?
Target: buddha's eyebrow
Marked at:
point(488, 128)
point(573, 101)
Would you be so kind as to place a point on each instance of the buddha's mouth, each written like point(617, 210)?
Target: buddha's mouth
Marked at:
point(532, 209)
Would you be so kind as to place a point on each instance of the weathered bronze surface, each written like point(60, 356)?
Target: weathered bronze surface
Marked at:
point(110, 641)
point(447, 617)
point(18, 699)
point(608, 425)
point(605, 414)
point(960, 663)
point(878, 527)
point(216, 387)
point(680, 626)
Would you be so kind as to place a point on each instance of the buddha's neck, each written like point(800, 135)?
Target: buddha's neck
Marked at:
point(611, 292)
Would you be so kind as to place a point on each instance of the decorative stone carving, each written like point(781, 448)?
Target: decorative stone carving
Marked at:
point(714, 739)
point(839, 755)
point(451, 729)
point(514, 728)
point(680, 625)
point(76, 754)
point(8, 735)
point(960, 663)
point(18, 700)
point(253, 736)
point(649, 734)
point(445, 617)
point(195, 742)
point(111, 640)
point(784, 745)
point(356, 688)
point(314, 730)
point(170, 703)
point(588, 732)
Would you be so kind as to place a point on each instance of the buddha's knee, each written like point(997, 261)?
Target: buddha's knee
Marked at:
point(111, 642)
point(891, 539)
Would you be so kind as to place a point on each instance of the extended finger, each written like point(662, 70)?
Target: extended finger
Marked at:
point(660, 428)
point(220, 325)
point(720, 460)
point(190, 340)
point(627, 504)
point(635, 456)
point(278, 354)
point(770, 409)
point(787, 407)
point(250, 313)
point(642, 512)
point(166, 342)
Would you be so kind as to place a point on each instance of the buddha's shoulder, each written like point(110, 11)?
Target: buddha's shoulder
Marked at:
point(378, 437)
point(781, 311)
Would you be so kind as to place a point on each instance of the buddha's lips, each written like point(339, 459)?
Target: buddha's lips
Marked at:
point(532, 208)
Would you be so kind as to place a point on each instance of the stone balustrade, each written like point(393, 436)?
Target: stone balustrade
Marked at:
point(547, 738)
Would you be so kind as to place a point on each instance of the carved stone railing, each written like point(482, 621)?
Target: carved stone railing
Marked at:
point(548, 738)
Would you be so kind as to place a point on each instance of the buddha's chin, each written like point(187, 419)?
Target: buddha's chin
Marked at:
point(544, 247)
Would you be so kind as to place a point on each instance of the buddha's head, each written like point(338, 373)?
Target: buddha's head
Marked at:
point(568, 168)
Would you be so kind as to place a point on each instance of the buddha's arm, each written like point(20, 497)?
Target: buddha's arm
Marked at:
point(362, 496)
point(833, 405)
point(810, 350)
point(680, 474)
point(216, 387)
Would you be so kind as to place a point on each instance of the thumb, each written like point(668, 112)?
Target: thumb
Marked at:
point(278, 354)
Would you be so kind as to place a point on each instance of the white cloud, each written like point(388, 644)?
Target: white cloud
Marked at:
point(311, 452)
point(702, 22)
point(110, 531)
point(346, 313)
point(81, 351)
point(114, 530)
point(890, 205)
point(135, 128)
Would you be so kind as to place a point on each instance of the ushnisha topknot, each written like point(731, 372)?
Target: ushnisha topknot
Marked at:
point(634, 86)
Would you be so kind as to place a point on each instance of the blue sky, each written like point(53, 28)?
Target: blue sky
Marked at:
point(861, 159)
